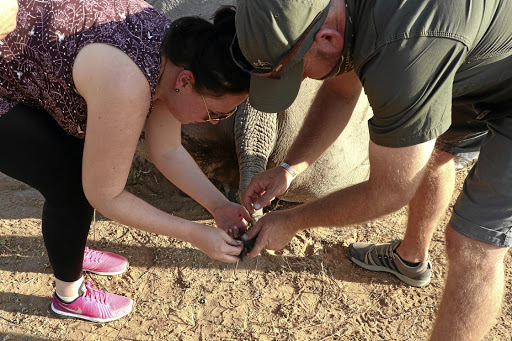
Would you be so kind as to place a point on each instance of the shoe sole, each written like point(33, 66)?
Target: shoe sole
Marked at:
point(62, 314)
point(105, 273)
point(403, 278)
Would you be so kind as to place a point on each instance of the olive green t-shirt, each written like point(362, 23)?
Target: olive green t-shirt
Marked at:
point(415, 58)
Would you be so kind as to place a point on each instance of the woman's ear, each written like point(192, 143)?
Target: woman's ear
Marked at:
point(329, 40)
point(185, 78)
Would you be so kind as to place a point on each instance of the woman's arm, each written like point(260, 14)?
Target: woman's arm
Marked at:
point(163, 138)
point(118, 97)
point(8, 13)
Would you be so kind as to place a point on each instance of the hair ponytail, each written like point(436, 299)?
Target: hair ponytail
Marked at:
point(204, 48)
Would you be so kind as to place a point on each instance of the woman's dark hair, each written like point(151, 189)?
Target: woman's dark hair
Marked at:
point(203, 48)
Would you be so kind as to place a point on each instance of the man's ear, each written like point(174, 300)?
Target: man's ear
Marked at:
point(185, 78)
point(329, 40)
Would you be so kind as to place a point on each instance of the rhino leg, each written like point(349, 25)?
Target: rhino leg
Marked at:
point(255, 139)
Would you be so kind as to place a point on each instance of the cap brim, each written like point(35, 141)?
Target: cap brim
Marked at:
point(275, 95)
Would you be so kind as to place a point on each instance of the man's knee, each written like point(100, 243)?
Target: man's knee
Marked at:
point(471, 253)
point(440, 157)
point(440, 165)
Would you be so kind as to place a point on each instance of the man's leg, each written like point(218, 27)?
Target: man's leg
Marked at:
point(427, 207)
point(477, 238)
point(408, 259)
point(474, 289)
point(432, 198)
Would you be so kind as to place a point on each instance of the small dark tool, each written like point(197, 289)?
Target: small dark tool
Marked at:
point(248, 245)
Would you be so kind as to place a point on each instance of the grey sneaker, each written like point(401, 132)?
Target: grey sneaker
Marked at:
point(461, 163)
point(380, 257)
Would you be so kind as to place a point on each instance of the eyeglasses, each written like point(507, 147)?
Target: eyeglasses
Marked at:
point(273, 73)
point(215, 117)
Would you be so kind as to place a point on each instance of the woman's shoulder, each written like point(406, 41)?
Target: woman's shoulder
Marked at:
point(107, 69)
point(136, 29)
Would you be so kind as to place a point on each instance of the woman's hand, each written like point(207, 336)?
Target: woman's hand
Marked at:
point(232, 218)
point(216, 243)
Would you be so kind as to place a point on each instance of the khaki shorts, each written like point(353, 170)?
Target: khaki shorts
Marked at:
point(465, 135)
point(483, 210)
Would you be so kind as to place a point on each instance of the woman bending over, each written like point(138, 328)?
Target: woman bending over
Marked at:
point(79, 81)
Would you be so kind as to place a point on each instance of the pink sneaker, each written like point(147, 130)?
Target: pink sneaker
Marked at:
point(93, 305)
point(104, 263)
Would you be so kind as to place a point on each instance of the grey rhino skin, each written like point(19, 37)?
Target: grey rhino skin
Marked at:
point(250, 141)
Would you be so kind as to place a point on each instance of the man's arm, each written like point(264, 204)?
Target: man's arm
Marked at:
point(328, 116)
point(331, 110)
point(395, 175)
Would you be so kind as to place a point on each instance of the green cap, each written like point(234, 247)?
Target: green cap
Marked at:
point(267, 30)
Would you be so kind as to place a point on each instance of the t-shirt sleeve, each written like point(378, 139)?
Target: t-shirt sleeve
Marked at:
point(409, 86)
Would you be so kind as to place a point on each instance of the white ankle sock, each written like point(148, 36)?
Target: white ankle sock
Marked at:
point(69, 299)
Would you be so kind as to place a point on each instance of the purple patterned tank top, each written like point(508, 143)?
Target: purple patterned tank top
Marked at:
point(36, 59)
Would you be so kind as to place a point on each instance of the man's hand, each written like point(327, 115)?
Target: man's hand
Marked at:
point(264, 187)
point(274, 231)
point(8, 12)
point(232, 218)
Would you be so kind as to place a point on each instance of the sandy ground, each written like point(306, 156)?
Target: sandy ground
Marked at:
point(309, 292)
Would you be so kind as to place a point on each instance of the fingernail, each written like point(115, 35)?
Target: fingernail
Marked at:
point(238, 242)
point(257, 206)
point(245, 238)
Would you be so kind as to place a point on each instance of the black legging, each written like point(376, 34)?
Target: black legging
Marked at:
point(37, 151)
